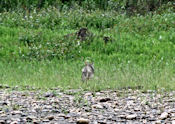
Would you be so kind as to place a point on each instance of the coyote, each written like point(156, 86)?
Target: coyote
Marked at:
point(87, 71)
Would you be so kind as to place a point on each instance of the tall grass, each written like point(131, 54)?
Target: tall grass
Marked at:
point(67, 75)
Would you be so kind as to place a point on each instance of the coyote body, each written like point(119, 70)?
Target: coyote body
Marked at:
point(87, 72)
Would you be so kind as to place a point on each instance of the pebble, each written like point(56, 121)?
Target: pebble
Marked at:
point(132, 116)
point(158, 122)
point(51, 117)
point(173, 122)
point(97, 106)
point(14, 122)
point(2, 122)
point(82, 121)
point(164, 115)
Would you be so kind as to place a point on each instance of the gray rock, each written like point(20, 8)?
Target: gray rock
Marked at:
point(173, 122)
point(131, 116)
point(158, 122)
point(97, 106)
point(163, 116)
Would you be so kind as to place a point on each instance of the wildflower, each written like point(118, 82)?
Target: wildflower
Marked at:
point(160, 37)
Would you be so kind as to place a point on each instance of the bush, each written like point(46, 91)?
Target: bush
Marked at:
point(129, 6)
point(39, 46)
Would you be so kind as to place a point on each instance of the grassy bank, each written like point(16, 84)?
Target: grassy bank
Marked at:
point(34, 50)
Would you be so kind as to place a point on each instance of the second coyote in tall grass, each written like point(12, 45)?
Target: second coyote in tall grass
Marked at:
point(87, 71)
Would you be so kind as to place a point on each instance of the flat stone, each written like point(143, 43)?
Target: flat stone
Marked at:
point(88, 94)
point(46, 120)
point(30, 118)
point(158, 122)
point(16, 112)
point(49, 95)
point(82, 121)
point(36, 122)
point(14, 122)
point(51, 117)
point(163, 116)
point(173, 122)
point(132, 116)
point(97, 106)
point(102, 122)
point(3, 103)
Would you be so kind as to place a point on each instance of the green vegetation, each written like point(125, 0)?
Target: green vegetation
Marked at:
point(40, 47)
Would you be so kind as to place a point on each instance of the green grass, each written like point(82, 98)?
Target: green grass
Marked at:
point(141, 54)
point(67, 75)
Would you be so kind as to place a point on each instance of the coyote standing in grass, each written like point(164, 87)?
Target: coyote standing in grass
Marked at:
point(87, 71)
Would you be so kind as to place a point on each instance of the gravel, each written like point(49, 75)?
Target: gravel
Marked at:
point(82, 107)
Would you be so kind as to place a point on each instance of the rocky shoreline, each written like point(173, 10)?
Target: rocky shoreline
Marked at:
point(74, 106)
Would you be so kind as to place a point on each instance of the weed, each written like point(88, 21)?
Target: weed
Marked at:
point(80, 101)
